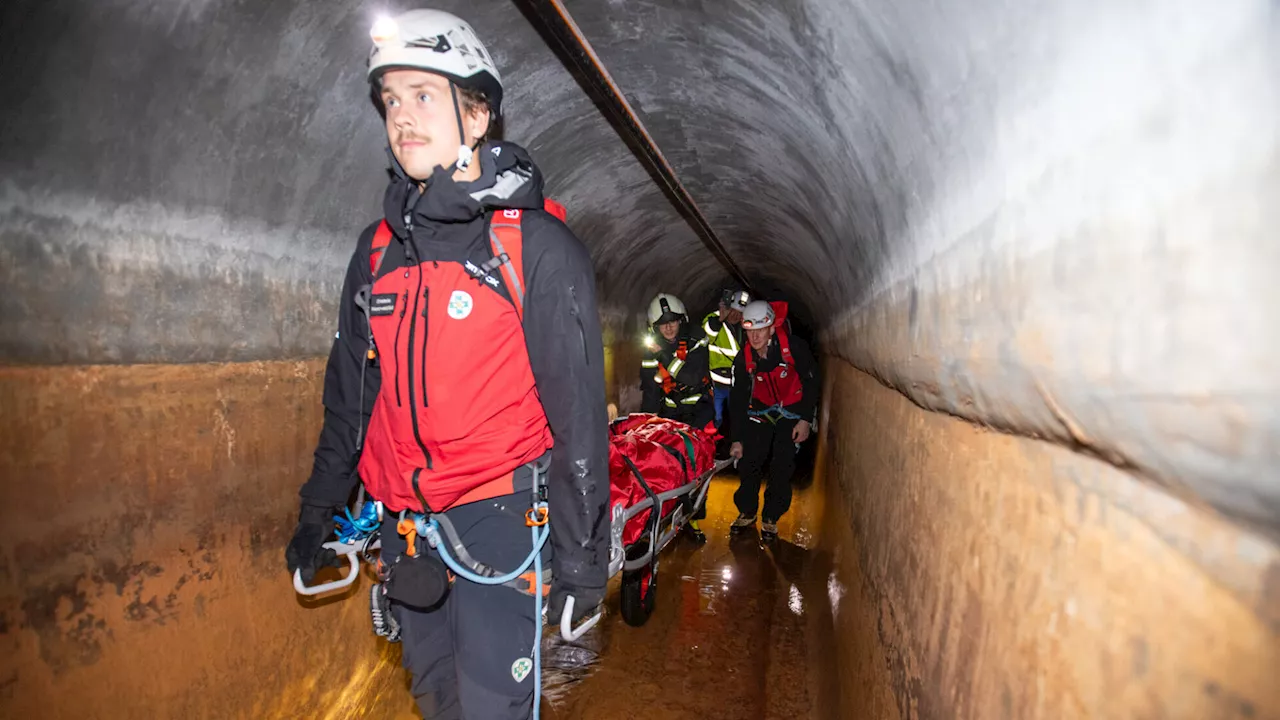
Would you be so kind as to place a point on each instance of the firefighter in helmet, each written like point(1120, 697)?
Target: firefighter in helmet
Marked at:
point(675, 379)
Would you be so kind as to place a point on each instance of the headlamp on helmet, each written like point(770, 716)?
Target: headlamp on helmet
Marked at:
point(733, 299)
point(757, 315)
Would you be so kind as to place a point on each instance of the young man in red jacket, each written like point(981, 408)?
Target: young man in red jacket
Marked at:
point(468, 363)
point(775, 392)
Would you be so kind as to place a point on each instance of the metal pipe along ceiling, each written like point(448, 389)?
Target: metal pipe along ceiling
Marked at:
point(576, 50)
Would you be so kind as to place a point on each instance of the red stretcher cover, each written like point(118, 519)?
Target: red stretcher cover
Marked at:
point(649, 441)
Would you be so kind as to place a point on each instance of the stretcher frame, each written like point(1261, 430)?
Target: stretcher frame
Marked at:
point(637, 601)
point(665, 529)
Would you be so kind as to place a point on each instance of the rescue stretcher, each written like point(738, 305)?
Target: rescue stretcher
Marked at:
point(665, 501)
point(638, 561)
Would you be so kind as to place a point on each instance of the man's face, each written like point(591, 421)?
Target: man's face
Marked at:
point(669, 329)
point(421, 126)
point(730, 316)
point(759, 338)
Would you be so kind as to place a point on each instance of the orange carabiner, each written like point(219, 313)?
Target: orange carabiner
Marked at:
point(535, 517)
point(409, 530)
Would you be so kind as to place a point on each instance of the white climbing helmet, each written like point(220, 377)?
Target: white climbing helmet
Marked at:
point(734, 299)
point(757, 315)
point(666, 308)
point(438, 42)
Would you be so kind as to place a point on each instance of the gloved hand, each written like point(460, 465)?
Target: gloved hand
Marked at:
point(586, 602)
point(306, 552)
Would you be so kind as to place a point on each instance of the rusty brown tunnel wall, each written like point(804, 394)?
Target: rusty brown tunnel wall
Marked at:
point(142, 575)
point(990, 576)
point(1056, 219)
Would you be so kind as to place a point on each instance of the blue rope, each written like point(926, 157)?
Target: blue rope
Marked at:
point(537, 630)
point(534, 558)
point(771, 412)
point(351, 530)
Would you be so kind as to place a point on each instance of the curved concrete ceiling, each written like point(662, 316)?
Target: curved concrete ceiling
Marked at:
point(1056, 218)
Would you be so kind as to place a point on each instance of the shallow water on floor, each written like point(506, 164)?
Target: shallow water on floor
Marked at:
point(737, 630)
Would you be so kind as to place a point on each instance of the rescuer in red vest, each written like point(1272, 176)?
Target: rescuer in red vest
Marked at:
point(775, 391)
point(465, 387)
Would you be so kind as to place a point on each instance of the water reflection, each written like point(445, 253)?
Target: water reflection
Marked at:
point(730, 634)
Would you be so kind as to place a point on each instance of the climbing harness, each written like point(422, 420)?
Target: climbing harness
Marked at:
point(441, 536)
point(665, 376)
point(774, 414)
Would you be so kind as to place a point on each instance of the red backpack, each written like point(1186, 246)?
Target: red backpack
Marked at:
point(506, 242)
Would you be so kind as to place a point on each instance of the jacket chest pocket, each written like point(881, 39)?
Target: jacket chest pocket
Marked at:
point(389, 305)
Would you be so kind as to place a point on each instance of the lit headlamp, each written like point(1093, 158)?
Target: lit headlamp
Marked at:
point(384, 30)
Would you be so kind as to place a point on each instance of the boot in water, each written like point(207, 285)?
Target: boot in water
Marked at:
point(695, 533)
point(768, 529)
point(742, 523)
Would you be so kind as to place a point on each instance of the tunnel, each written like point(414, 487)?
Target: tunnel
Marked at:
point(1035, 243)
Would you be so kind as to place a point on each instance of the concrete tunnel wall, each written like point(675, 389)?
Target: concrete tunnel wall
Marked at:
point(1054, 220)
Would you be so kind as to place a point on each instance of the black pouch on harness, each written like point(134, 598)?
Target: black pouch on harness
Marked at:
point(419, 581)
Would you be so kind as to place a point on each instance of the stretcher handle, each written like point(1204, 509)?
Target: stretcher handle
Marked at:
point(566, 622)
point(352, 562)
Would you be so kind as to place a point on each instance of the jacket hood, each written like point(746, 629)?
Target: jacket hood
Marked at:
point(508, 180)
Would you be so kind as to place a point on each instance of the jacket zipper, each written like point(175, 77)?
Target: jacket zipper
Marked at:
point(404, 303)
point(413, 407)
point(426, 306)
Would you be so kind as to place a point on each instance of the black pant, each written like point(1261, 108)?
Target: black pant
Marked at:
point(760, 440)
point(464, 653)
point(698, 416)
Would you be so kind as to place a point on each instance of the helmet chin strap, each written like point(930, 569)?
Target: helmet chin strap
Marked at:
point(465, 152)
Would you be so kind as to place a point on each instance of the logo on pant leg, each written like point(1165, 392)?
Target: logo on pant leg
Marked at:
point(521, 668)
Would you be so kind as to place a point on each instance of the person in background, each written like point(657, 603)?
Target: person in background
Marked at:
point(724, 339)
point(775, 392)
point(675, 379)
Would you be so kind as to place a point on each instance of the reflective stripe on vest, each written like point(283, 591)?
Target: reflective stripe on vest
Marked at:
point(665, 376)
point(722, 344)
point(688, 400)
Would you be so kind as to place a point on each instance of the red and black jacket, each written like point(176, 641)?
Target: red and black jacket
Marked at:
point(460, 394)
point(776, 377)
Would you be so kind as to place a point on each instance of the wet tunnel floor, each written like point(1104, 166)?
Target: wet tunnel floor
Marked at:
point(738, 630)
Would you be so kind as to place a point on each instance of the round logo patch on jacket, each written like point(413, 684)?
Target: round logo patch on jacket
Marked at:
point(520, 669)
point(460, 305)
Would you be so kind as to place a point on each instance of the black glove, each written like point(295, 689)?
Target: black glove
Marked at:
point(586, 602)
point(306, 552)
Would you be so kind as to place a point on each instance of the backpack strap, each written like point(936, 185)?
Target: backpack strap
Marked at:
point(554, 208)
point(381, 239)
point(506, 241)
point(784, 344)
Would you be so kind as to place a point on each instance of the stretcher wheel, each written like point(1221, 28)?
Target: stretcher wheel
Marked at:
point(637, 597)
point(637, 593)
